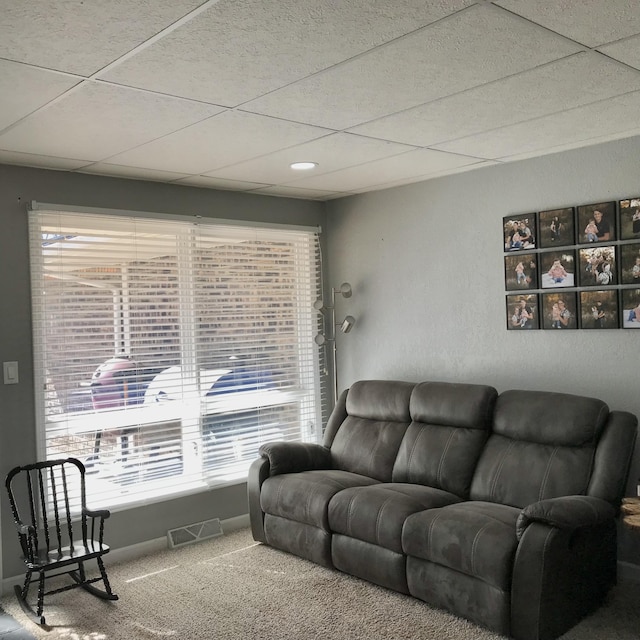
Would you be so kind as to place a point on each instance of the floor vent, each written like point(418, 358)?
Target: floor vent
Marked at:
point(194, 533)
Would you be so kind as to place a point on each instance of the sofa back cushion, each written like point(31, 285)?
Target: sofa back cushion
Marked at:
point(449, 426)
point(542, 446)
point(376, 417)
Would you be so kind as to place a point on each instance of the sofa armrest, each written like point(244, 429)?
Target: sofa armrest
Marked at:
point(566, 512)
point(560, 575)
point(293, 457)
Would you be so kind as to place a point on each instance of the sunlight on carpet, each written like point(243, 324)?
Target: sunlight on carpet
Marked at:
point(232, 588)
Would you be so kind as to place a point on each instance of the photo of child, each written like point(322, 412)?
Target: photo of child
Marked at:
point(631, 308)
point(557, 272)
point(597, 222)
point(557, 269)
point(630, 263)
point(522, 312)
point(598, 266)
point(599, 309)
point(520, 271)
point(559, 310)
point(630, 219)
point(519, 232)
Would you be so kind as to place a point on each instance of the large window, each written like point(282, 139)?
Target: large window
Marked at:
point(167, 351)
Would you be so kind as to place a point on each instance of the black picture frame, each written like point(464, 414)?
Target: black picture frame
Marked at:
point(519, 232)
point(521, 271)
point(557, 269)
point(557, 227)
point(602, 217)
point(599, 309)
point(559, 310)
point(597, 266)
point(630, 308)
point(630, 263)
point(522, 316)
point(629, 214)
point(553, 266)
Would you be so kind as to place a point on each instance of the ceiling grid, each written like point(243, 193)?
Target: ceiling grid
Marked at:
point(226, 94)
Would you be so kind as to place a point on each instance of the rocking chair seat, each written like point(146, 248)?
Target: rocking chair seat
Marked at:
point(48, 502)
point(69, 554)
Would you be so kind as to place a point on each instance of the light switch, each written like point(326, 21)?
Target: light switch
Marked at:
point(10, 372)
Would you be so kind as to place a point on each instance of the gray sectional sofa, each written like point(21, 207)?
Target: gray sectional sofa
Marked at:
point(500, 508)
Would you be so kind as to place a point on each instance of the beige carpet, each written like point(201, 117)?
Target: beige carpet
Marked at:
point(230, 588)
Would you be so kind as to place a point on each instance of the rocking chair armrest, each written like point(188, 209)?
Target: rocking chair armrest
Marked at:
point(96, 522)
point(97, 513)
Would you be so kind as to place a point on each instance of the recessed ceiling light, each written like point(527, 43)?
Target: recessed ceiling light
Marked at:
point(303, 166)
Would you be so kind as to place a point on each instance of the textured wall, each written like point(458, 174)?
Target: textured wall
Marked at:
point(426, 265)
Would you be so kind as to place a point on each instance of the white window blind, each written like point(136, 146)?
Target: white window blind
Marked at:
point(167, 352)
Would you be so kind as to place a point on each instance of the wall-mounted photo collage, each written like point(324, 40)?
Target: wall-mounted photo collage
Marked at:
point(574, 268)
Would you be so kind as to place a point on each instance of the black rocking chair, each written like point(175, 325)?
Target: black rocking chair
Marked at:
point(45, 498)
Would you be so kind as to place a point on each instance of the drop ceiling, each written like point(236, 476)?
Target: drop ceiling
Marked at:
point(227, 94)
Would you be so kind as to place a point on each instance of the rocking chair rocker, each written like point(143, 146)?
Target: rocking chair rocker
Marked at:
point(44, 498)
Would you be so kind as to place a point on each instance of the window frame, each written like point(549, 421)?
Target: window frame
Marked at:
point(312, 368)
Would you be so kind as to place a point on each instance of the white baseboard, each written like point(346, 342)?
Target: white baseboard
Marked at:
point(157, 544)
point(136, 550)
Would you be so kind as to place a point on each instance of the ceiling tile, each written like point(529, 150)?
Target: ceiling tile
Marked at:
point(305, 194)
point(602, 120)
point(224, 139)
point(591, 22)
point(44, 162)
point(627, 51)
point(406, 165)
point(81, 37)
point(435, 174)
point(114, 170)
point(219, 183)
point(363, 88)
point(463, 51)
point(24, 89)
point(576, 144)
point(96, 120)
point(238, 50)
point(580, 79)
point(331, 152)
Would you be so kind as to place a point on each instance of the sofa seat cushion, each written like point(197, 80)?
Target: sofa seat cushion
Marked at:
point(377, 513)
point(304, 497)
point(474, 538)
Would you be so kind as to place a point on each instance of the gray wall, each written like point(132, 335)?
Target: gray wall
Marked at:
point(426, 265)
point(18, 186)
